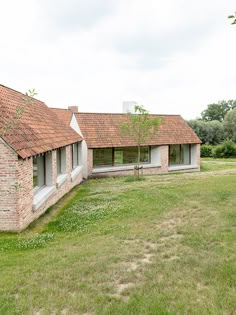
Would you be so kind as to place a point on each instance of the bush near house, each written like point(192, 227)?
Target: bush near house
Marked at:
point(224, 150)
point(206, 150)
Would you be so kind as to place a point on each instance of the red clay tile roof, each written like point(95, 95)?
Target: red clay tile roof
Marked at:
point(39, 130)
point(63, 114)
point(104, 130)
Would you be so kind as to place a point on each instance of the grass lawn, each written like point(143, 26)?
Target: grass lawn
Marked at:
point(164, 245)
point(219, 160)
point(210, 164)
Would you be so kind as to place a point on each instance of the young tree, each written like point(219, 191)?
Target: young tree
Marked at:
point(13, 121)
point(140, 126)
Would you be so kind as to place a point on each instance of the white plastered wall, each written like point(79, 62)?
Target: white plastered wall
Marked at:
point(155, 155)
point(84, 149)
point(194, 154)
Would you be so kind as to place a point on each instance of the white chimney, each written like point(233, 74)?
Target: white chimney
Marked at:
point(128, 107)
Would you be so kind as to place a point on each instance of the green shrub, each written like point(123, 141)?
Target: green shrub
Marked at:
point(225, 150)
point(206, 150)
point(218, 152)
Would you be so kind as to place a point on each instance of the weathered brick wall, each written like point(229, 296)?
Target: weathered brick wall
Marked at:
point(8, 188)
point(164, 158)
point(25, 191)
point(58, 194)
point(90, 161)
point(16, 211)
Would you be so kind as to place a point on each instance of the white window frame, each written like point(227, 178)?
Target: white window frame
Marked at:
point(77, 167)
point(46, 189)
point(61, 158)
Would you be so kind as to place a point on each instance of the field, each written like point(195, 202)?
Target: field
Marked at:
point(162, 245)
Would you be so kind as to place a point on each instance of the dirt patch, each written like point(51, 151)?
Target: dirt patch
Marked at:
point(121, 287)
point(149, 245)
point(171, 237)
point(132, 266)
point(172, 258)
point(146, 259)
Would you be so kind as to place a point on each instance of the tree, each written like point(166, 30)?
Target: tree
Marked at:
point(140, 126)
point(230, 125)
point(210, 132)
point(13, 121)
point(232, 18)
point(217, 111)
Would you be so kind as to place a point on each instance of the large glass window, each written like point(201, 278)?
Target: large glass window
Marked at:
point(120, 156)
point(103, 157)
point(179, 154)
point(75, 155)
point(39, 178)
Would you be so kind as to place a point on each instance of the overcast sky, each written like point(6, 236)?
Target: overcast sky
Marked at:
point(172, 56)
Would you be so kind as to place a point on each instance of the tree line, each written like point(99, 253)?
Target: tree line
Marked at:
point(217, 123)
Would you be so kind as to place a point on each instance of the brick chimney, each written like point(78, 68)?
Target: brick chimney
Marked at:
point(73, 109)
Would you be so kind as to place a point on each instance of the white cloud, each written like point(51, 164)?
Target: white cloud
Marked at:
point(171, 56)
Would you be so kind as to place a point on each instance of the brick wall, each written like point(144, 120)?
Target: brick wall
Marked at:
point(16, 188)
point(9, 218)
point(90, 162)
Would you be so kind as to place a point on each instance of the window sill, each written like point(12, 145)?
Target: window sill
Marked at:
point(76, 172)
point(61, 179)
point(182, 167)
point(121, 168)
point(42, 195)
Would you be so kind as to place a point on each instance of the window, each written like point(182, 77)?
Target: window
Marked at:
point(59, 161)
point(75, 155)
point(120, 156)
point(180, 154)
point(42, 179)
point(39, 176)
point(102, 157)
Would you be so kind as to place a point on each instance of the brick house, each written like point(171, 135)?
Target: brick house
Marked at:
point(40, 160)
point(49, 151)
point(107, 152)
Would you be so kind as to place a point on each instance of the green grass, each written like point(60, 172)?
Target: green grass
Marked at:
point(164, 245)
point(219, 160)
point(209, 164)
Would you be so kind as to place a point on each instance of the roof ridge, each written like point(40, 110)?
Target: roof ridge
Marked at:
point(125, 114)
point(59, 108)
point(99, 113)
point(7, 87)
